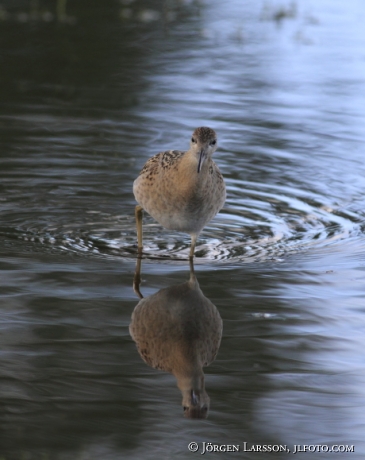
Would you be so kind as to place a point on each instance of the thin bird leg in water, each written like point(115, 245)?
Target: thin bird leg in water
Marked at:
point(192, 271)
point(192, 247)
point(139, 216)
point(137, 277)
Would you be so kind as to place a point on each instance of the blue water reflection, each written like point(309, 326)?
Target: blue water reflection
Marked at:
point(87, 95)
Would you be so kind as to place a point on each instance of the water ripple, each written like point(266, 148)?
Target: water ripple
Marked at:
point(258, 222)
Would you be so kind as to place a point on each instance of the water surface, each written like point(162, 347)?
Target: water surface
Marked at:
point(86, 98)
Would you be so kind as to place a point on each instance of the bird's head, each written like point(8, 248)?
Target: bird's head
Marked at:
point(203, 143)
point(196, 404)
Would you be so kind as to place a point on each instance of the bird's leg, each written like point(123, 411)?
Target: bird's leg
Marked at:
point(191, 266)
point(139, 216)
point(137, 276)
point(193, 243)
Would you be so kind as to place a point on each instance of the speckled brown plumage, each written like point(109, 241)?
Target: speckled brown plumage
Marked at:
point(178, 330)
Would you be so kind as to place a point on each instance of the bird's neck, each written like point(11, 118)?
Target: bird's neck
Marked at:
point(190, 381)
point(189, 166)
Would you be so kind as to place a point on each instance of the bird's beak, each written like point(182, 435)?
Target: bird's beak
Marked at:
point(194, 398)
point(202, 157)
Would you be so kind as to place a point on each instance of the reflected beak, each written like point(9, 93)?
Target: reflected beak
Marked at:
point(194, 396)
point(202, 157)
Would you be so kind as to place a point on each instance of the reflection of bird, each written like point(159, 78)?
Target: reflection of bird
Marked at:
point(183, 191)
point(178, 330)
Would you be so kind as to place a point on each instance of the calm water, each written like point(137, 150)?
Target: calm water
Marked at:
point(85, 100)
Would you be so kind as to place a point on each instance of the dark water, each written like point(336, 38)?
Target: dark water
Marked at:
point(86, 98)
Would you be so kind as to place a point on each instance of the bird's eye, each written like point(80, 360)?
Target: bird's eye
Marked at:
point(193, 140)
point(213, 142)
